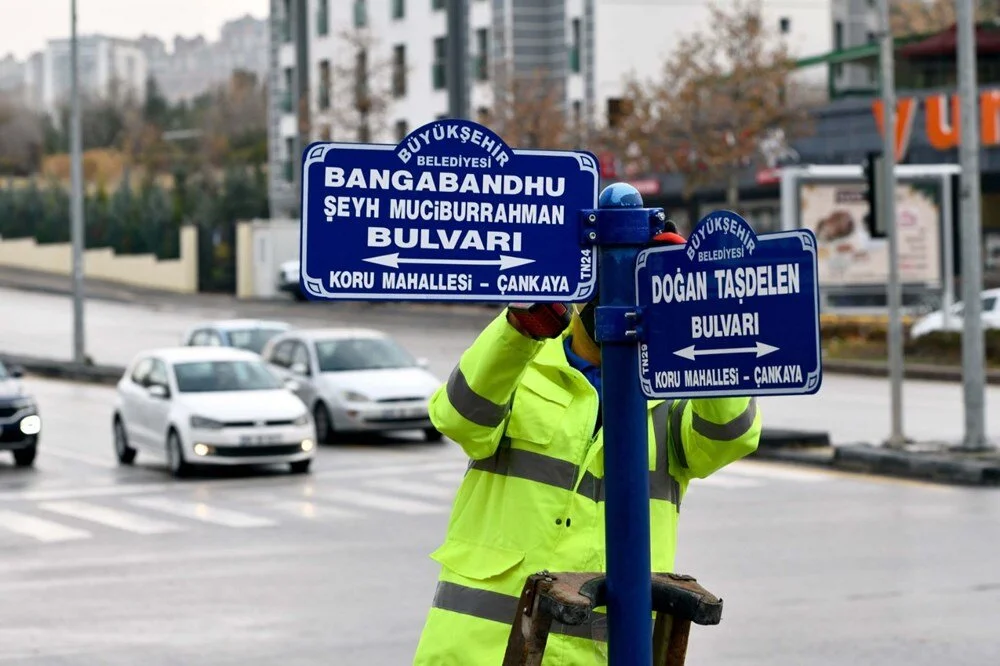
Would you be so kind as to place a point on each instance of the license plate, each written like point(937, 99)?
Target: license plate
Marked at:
point(404, 413)
point(250, 440)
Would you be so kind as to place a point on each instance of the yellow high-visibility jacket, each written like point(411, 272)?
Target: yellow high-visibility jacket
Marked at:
point(532, 498)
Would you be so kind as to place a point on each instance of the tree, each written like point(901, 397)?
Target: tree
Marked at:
point(722, 91)
point(915, 17)
point(234, 122)
point(355, 101)
point(530, 112)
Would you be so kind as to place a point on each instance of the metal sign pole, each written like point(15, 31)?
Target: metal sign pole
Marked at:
point(623, 229)
point(895, 293)
point(76, 202)
point(973, 352)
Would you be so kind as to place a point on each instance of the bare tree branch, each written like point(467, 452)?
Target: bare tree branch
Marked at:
point(360, 89)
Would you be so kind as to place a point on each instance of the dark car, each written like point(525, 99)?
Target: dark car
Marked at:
point(20, 423)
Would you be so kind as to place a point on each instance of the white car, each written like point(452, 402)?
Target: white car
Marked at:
point(935, 321)
point(355, 380)
point(209, 405)
point(249, 334)
point(288, 279)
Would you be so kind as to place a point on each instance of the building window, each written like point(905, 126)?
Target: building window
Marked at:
point(290, 160)
point(398, 9)
point(577, 113)
point(482, 55)
point(401, 130)
point(324, 85)
point(323, 18)
point(574, 48)
point(437, 4)
point(360, 13)
point(439, 77)
point(399, 70)
point(838, 35)
point(784, 24)
point(324, 132)
point(872, 37)
point(286, 99)
point(483, 115)
point(286, 22)
point(361, 100)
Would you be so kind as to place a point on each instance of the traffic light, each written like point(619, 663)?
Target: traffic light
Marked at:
point(872, 167)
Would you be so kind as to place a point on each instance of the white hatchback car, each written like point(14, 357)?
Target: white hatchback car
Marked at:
point(355, 380)
point(935, 321)
point(249, 334)
point(209, 405)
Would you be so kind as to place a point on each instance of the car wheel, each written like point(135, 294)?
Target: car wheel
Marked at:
point(324, 424)
point(300, 466)
point(25, 457)
point(433, 435)
point(178, 467)
point(124, 452)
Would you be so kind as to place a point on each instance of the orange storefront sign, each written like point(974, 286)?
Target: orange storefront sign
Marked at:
point(941, 120)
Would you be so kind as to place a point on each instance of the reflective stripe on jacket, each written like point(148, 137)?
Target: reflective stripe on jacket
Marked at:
point(533, 496)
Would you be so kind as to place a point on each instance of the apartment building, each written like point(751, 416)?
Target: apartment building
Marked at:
point(109, 68)
point(855, 23)
point(585, 49)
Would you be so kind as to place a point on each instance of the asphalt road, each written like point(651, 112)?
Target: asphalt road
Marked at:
point(851, 409)
point(107, 566)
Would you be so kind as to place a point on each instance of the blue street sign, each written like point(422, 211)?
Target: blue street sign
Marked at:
point(450, 214)
point(729, 313)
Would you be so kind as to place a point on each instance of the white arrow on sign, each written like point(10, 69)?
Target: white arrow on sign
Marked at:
point(504, 262)
point(760, 349)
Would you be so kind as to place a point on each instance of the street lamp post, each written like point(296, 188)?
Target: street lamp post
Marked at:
point(76, 197)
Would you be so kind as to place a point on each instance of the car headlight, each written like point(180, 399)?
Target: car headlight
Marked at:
point(354, 396)
point(302, 420)
point(201, 423)
point(31, 425)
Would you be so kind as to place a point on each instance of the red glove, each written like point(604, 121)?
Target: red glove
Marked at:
point(540, 320)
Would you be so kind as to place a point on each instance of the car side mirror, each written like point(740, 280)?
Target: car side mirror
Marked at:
point(423, 362)
point(16, 371)
point(300, 369)
point(159, 391)
point(292, 385)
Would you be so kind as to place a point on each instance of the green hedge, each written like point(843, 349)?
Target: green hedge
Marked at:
point(136, 220)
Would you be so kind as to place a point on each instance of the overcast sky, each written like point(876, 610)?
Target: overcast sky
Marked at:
point(25, 25)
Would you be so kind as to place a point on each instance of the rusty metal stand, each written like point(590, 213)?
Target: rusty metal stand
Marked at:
point(570, 598)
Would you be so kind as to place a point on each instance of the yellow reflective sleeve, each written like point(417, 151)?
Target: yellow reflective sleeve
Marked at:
point(472, 406)
point(707, 434)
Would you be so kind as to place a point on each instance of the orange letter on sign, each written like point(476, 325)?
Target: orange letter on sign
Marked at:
point(942, 123)
point(905, 111)
point(989, 117)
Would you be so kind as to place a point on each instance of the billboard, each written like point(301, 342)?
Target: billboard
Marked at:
point(835, 212)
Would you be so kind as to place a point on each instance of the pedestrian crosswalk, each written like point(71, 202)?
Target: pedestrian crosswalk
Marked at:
point(160, 510)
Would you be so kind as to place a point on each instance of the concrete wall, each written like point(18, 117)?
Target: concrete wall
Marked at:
point(261, 247)
point(140, 270)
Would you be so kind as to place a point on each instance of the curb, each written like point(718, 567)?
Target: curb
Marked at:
point(81, 372)
point(941, 465)
point(939, 373)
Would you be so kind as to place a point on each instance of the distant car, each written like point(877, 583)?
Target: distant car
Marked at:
point(935, 321)
point(288, 279)
point(249, 334)
point(209, 405)
point(20, 422)
point(355, 380)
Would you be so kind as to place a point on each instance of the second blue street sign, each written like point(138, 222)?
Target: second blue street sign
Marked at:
point(451, 213)
point(730, 313)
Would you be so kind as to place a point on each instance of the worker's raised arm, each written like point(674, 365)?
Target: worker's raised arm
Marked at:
point(473, 405)
point(709, 433)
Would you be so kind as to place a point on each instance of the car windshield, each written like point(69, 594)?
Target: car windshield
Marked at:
point(205, 376)
point(361, 354)
point(253, 339)
point(3, 371)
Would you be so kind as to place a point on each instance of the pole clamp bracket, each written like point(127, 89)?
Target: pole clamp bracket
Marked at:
point(620, 226)
point(618, 323)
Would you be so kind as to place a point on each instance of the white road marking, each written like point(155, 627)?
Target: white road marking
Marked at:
point(390, 470)
point(380, 502)
point(39, 528)
point(778, 472)
point(123, 520)
point(200, 511)
point(78, 492)
point(453, 478)
point(719, 480)
point(416, 488)
point(314, 511)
